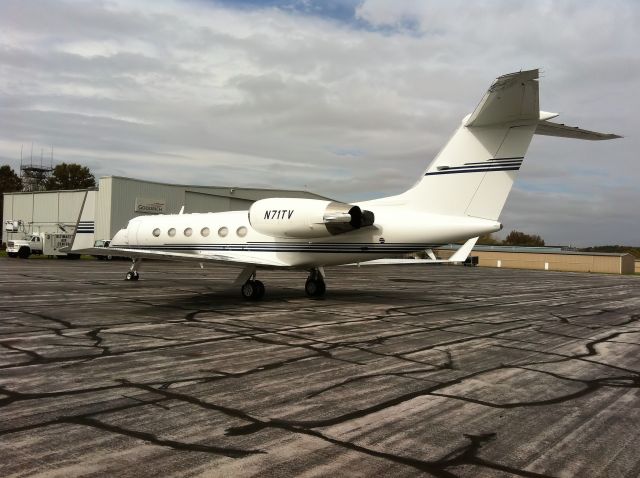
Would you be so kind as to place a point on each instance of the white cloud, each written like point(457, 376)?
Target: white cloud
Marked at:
point(202, 93)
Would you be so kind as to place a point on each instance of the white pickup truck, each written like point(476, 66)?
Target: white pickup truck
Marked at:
point(50, 244)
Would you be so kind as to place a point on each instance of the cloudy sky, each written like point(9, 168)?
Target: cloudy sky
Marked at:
point(346, 98)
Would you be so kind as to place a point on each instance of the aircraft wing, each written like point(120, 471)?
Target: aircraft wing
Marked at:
point(459, 256)
point(229, 259)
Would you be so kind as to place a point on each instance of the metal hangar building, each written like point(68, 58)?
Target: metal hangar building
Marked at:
point(118, 199)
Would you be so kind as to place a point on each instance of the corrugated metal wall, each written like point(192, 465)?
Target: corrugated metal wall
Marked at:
point(121, 194)
point(611, 264)
point(103, 210)
point(116, 200)
point(41, 211)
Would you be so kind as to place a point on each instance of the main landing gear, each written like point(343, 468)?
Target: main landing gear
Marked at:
point(315, 286)
point(253, 289)
point(133, 271)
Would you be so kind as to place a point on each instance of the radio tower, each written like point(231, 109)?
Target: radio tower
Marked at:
point(34, 177)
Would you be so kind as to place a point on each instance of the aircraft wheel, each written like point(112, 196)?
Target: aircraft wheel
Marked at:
point(248, 289)
point(136, 276)
point(252, 290)
point(315, 288)
point(260, 289)
point(132, 275)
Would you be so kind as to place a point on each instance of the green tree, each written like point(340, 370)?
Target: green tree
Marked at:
point(517, 238)
point(488, 239)
point(9, 182)
point(70, 176)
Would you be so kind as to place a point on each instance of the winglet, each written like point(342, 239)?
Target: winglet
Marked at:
point(461, 254)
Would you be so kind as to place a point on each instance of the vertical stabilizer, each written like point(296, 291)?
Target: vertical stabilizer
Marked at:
point(473, 174)
point(84, 235)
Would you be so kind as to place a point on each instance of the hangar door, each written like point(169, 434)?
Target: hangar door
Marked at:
point(202, 202)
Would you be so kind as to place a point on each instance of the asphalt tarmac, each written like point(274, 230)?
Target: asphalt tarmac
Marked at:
point(399, 371)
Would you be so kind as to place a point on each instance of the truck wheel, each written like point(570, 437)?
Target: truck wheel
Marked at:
point(24, 253)
point(12, 254)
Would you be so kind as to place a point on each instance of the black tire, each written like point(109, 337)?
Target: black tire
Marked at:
point(260, 290)
point(12, 254)
point(108, 258)
point(315, 288)
point(322, 288)
point(248, 290)
point(24, 253)
point(129, 276)
point(136, 276)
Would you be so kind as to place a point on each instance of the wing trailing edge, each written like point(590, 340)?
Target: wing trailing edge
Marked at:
point(459, 256)
point(548, 128)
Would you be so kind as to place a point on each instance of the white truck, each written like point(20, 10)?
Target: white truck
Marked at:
point(46, 243)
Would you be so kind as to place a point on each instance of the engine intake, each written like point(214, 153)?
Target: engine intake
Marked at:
point(306, 218)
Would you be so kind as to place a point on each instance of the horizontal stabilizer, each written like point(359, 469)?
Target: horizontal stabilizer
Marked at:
point(548, 128)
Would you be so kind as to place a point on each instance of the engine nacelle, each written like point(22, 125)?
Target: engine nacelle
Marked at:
point(306, 218)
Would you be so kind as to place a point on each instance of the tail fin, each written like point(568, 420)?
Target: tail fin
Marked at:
point(473, 174)
point(83, 236)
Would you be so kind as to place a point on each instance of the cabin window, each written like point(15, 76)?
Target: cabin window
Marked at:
point(204, 232)
point(241, 231)
point(172, 232)
point(188, 231)
point(156, 232)
point(223, 231)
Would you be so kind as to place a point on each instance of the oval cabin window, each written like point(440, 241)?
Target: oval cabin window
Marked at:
point(204, 232)
point(156, 232)
point(172, 232)
point(241, 231)
point(223, 231)
point(188, 231)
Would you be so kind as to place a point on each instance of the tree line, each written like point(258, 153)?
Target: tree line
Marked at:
point(514, 238)
point(64, 176)
point(517, 238)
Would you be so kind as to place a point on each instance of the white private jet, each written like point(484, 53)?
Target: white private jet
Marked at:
point(459, 197)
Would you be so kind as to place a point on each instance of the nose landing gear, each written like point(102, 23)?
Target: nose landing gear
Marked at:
point(133, 271)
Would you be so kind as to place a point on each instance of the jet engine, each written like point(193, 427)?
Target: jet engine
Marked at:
point(306, 218)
